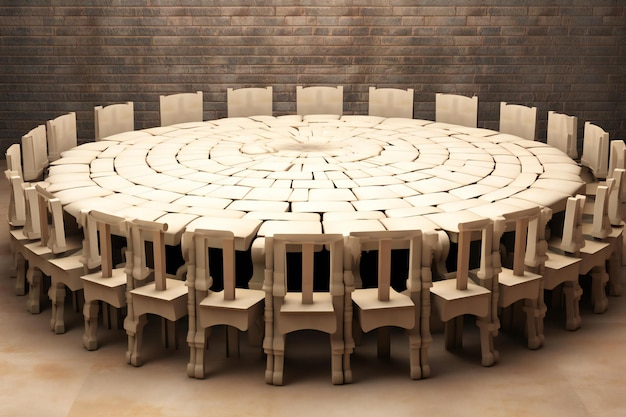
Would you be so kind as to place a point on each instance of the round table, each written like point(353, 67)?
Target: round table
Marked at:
point(264, 175)
point(322, 167)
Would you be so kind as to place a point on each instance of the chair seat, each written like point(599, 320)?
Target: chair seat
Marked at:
point(170, 303)
point(111, 290)
point(69, 268)
point(321, 314)
point(370, 311)
point(451, 302)
point(514, 287)
point(322, 303)
point(559, 269)
point(592, 252)
point(247, 305)
point(244, 299)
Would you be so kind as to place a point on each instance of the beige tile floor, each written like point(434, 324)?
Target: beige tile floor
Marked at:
point(580, 373)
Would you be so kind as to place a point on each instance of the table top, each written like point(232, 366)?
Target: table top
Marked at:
point(383, 173)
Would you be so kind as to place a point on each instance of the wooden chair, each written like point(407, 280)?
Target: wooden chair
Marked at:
point(383, 307)
point(108, 285)
point(456, 109)
point(391, 102)
point(20, 221)
point(455, 297)
point(606, 225)
point(519, 284)
point(595, 150)
point(245, 102)
point(238, 308)
point(518, 120)
point(562, 133)
point(54, 255)
point(113, 119)
point(287, 311)
point(159, 295)
point(593, 254)
point(13, 157)
point(181, 108)
point(617, 156)
point(560, 272)
point(62, 135)
point(319, 100)
point(35, 153)
point(17, 203)
point(617, 215)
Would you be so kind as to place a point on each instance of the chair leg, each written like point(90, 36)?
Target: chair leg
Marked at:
point(542, 309)
point(415, 344)
point(615, 270)
point(90, 312)
point(573, 292)
point(531, 308)
point(279, 359)
point(56, 293)
point(20, 275)
point(383, 336)
point(425, 334)
point(269, 368)
point(197, 347)
point(337, 355)
point(488, 352)
point(134, 330)
point(168, 334)
point(255, 332)
point(268, 339)
point(599, 279)
point(232, 342)
point(348, 339)
point(34, 277)
point(454, 333)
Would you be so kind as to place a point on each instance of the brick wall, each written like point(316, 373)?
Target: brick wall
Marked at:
point(563, 55)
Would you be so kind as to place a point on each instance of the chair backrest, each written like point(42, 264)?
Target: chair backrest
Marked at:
point(601, 225)
point(562, 133)
point(17, 202)
point(113, 119)
point(466, 229)
point(617, 195)
point(181, 108)
point(140, 232)
point(51, 221)
point(252, 101)
point(522, 218)
point(456, 109)
point(32, 228)
point(319, 100)
point(306, 244)
point(61, 135)
point(595, 150)
point(518, 120)
point(14, 159)
point(617, 156)
point(391, 102)
point(99, 251)
point(35, 153)
point(573, 240)
point(196, 245)
point(384, 242)
point(537, 245)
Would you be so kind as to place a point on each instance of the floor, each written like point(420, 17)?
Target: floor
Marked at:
point(581, 373)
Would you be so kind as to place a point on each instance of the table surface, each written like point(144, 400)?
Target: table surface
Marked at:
point(344, 173)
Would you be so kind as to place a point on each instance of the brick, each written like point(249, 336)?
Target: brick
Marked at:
point(57, 57)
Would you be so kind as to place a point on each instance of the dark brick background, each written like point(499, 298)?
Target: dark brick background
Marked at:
point(563, 55)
